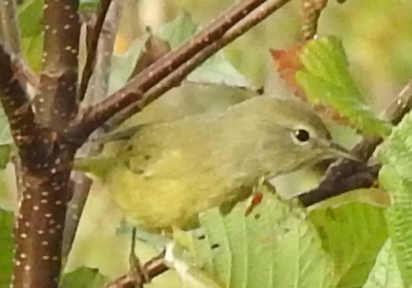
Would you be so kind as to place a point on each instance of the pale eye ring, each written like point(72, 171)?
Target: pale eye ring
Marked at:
point(301, 135)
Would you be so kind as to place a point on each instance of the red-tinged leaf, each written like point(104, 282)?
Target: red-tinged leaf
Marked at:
point(287, 63)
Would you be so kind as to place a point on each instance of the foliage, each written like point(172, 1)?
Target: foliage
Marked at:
point(395, 176)
point(6, 245)
point(351, 246)
point(273, 246)
point(385, 273)
point(278, 244)
point(326, 79)
point(32, 31)
point(84, 277)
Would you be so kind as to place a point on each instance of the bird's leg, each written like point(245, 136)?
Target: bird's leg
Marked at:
point(138, 272)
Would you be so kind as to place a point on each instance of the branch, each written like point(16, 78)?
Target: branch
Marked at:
point(55, 104)
point(346, 175)
point(92, 48)
point(154, 267)
point(47, 162)
point(34, 261)
point(16, 104)
point(214, 37)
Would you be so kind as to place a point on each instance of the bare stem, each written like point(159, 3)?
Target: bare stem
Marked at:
point(92, 47)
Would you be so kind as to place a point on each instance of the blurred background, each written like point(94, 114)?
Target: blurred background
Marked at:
point(377, 36)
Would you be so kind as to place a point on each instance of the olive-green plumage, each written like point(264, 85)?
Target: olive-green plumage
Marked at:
point(167, 173)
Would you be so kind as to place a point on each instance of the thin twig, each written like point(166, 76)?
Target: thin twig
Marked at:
point(92, 48)
point(153, 267)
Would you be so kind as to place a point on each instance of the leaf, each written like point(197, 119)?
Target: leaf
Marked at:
point(5, 134)
point(178, 31)
point(287, 64)
point(5, 151)
point(122, 66)
point(5, 140)
point(31, 27)
point(84, 277)
point(88, 5)
point(395, 176)
point(6, 247)
point(274, 246)
point(326, 80)
point(216, 70)
point(30, 15)
point(350, 245)
point(33, 50)
point(385, 273)
point(396, 150)
point(399, 218)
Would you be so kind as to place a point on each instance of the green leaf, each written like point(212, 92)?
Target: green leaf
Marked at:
point(6, 247)
point(123, 65)
point(385, 273)
point(178, 31)
point(30, 15)
point(396, 150)
point(347, 241)
point(5, 134)
point(33, 50)
point(216, 70)
point(274, 246)
point(88, 5)
point(326, 79)
point(395, 176)
point(5, 140)
point(84, 277)
point(5, 151)
point(399, 218)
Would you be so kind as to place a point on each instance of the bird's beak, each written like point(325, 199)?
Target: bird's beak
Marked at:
point(339, 151)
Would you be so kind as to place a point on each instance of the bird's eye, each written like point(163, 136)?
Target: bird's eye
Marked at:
point(301, 135)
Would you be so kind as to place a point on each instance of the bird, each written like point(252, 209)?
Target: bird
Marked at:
point(165, 174)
